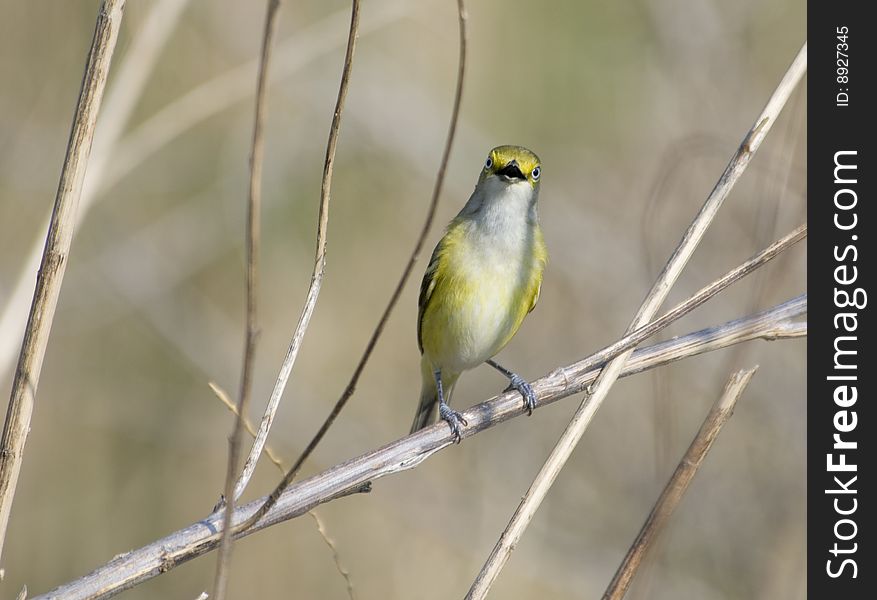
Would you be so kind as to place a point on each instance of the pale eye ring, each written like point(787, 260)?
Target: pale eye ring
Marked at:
point(488, 163)
point(537, 171)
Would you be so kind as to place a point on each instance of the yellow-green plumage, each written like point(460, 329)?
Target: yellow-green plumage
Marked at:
point(484, 275)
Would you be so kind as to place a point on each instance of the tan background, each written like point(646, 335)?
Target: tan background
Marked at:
point(634, 108)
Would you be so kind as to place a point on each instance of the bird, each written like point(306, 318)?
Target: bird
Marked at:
point(484, 277)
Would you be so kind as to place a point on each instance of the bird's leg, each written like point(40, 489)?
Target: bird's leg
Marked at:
point(452, 417)
point(516, 382)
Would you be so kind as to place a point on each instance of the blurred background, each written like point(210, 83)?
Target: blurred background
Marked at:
point(634, 107)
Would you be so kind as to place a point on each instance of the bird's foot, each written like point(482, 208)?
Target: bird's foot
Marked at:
point(523, 387)
point(454, 420)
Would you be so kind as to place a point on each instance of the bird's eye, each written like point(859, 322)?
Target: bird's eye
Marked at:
point(488, 163)
point(537, 171)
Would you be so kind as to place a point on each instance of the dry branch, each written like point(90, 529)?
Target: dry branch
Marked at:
point(272, 456)
point(679, 481)
point(319, 262)
point(54, 261)
point(654, 299)
point(253, 239)
point(131, 568)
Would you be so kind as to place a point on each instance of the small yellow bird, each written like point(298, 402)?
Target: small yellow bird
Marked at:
point(484, 276)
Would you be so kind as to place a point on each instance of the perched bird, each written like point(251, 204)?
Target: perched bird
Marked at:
point(484, 276)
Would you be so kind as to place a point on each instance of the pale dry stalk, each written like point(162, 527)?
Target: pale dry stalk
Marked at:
point(594, 399)
point(352, 476)
point(679, 481)
point(55, 253)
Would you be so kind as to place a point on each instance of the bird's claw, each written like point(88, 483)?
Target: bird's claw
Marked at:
point(454, 420)
point(523, 387)
point(220, 504)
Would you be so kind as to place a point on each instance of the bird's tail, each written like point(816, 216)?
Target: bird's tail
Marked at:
point(426, 409)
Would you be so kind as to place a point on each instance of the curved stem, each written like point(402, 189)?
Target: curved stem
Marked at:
point(319, 263)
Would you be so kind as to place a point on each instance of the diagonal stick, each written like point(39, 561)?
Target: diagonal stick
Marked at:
point(678, 484)
point(131, 568)
point(55, 253)
point(656, 296)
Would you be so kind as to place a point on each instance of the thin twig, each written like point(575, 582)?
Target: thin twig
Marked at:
point(678, 484)
point(319, 263)
point(269, 452)
point(594, 399)
point(336, 557)
point(223, 397)
point(254, 211)
point(766, 226)
point(406, 273)
point(54, 261)
point(700, 297)
point(132, 568)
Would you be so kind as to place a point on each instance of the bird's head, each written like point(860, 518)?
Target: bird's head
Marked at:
point(512, 165)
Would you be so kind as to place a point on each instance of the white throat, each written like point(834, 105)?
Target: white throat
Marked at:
point(498, 207)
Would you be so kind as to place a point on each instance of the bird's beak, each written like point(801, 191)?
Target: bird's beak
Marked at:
point(512, 171)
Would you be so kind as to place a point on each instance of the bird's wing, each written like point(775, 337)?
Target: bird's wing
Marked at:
point(426, 288)
point(540, 258)
point(535, 297)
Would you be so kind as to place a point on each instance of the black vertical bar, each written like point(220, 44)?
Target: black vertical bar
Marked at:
point(841, 366)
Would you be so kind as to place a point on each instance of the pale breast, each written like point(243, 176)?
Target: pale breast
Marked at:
point(488, 289)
